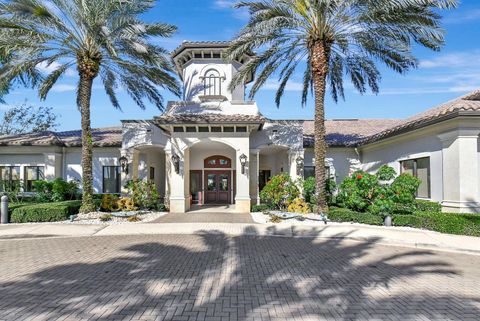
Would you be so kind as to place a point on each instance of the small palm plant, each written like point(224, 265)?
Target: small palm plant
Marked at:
point(331, 39)
point(99, 38)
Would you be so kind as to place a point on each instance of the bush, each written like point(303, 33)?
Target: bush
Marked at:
point(309, 190)
point(56, 191)
point(260, 208)
point(380, 193)
point(144, 194)
point(299, 206)
point(337, 214)
point(45, 212)
point(451, 223)
point(428, 206)
point(279, 192)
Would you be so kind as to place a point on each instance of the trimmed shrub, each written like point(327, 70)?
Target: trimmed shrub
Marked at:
point(428, 206)
point(45, 212)
point(279, 192)
point(260, 208)
point(337, 214)
point(451, 223)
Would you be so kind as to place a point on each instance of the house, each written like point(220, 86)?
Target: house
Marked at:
point(215, 147)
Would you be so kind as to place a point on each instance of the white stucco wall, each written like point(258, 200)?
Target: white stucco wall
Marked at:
point(342, 161)
point(101, 157)
point(196, 68)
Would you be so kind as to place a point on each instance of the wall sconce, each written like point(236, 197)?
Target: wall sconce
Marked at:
point(243, 162)
point(299, 162)
point(176, 163)
point(124, 164)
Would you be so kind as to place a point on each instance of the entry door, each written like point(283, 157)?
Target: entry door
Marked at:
point(218, 187)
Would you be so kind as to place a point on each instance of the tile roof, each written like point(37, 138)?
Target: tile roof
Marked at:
point(208, 119)
point(467, 105)
point(347, 132)
point(102, 137)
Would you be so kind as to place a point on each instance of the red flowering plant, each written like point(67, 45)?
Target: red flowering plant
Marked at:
point(380, 193)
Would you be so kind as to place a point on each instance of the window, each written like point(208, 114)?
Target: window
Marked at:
point(111, 179)
point(217, 162)
point(191, 129)
point(178, 129)
point(228, 129)
point(263, 178)
point(309, 171)
point(152, 173)
point(212, 83)
point(9, 178)
point(420, 168)
point(33, 174)
point(242, 129)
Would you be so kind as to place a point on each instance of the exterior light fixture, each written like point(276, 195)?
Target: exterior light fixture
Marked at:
point(243, 162)
point(176, 163)
point(124, 164)
point(299, 162)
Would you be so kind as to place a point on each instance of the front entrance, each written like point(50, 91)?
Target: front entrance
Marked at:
point(218, 187)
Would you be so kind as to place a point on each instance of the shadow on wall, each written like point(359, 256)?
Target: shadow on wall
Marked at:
point(236, 278)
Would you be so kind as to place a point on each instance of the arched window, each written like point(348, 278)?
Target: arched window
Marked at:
point(217, 161)
point(212, 83)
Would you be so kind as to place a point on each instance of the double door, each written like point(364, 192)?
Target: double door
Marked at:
point(218, 187)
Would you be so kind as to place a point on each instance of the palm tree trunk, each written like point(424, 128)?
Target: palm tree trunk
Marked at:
point(320, 57)
point(83, 101)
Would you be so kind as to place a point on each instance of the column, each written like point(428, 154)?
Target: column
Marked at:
point(178, 183)
point(292, 161)
point(242, 199)
point(125, 177)
point(460, 170)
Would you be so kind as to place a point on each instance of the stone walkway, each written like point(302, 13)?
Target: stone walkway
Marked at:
point(220, 277)
point(201, 217)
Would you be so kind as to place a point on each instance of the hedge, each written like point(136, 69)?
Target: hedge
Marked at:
point(451, 223)
point(337, 214)
point(45, 212)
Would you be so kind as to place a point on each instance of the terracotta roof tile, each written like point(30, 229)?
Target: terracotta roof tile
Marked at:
point(102, 137)
point(467, 103)
point(347, 132)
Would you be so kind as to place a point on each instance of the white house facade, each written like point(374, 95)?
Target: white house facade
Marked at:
point(214, 147)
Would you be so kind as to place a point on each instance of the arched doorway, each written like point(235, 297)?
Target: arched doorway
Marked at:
point(212, 174)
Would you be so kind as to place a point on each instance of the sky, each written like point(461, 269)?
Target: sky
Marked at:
point(441, 76)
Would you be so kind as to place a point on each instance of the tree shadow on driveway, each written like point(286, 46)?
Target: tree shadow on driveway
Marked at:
point(217, 277)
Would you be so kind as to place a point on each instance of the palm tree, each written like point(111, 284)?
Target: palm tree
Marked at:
point(99, 38)
point(331, 39)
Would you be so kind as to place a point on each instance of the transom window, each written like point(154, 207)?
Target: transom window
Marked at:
point(212, 83)
point(9, 178)
point(217, 161)
point(420, 168)
point(33, 174)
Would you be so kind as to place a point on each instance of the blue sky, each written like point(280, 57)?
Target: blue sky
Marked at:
point(441, 76)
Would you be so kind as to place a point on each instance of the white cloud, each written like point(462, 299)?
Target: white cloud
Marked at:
point(241, 13)
point(61, 88)
point(453, 60)
point(48, 68)
point(291, 85)
point(429, 90)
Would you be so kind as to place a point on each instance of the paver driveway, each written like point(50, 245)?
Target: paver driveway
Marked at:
point(216, 277)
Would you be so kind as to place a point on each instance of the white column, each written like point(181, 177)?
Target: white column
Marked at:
point(178, 183)
point(242, 199)
point(460, 170)
point(125, 177)
point(292, 161)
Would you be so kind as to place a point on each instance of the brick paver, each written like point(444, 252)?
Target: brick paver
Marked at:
point(205, 218)
point(216, 277)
